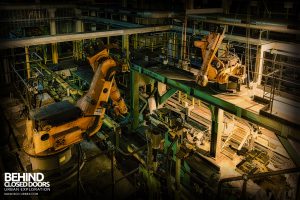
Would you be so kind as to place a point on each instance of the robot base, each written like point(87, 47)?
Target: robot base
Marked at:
point(58, 166)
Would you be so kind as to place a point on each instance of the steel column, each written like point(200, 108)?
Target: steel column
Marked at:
point(177, 172)
point(54, 53)
point(93, 25)
point(27, 61)
point(125, 45)
point(167, 95)
point(135, 41)
point(53, 32)
point(217, 116)
point(134, 99)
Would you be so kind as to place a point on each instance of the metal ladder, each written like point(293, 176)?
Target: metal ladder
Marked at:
point(236, 140)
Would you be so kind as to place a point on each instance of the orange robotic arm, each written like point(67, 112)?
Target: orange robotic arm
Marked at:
point(222, 70)
point(209, 47)
point(55, 132)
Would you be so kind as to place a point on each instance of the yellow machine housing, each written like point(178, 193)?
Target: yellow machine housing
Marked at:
point(224, 69)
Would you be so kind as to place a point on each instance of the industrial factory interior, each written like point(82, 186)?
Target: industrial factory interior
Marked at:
point(148, 99)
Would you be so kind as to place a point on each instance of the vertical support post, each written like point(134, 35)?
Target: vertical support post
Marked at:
point(54, 52)
point(149, 153)
point(184, 39)
point(93, 25)
point(186, 178)
point(51, 12)
point(135, 41)
point(259, 66)
point(112, 173)
point(179, 96)
point(181, 47)
point(29, 129)
point(124, 5)
point(125, 45)
point(27, 61)
point(217, 126)
point(79, 24)
point(77, 45)
point(260, 62)
point(190, 4)
point(7, 73)
point(117, 133)
point(75, 50)
point(45, 53)
point(108, 38)
point(174, 46)
point(298, 188)
point(134, 98)
point(177, 171)
point(226, 7)
point(199, 102)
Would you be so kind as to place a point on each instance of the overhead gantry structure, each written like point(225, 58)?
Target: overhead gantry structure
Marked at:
point(243, 107)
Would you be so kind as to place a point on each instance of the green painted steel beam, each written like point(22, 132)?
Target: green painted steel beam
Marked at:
point(167, 95)
point(278, 127)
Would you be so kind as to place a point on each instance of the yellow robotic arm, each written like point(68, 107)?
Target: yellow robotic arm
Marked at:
point(59, 125)
point(209, 47)
point(218, 69)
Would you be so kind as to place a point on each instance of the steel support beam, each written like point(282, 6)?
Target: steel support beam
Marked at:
point(177, 172)
point(135, 41)
point(216, 129)
point(134, 99)
point(6, 44)
point(54, 53)
point(125, 45)
point(93, 25)
point(51, 12)
point(167, 95)
point(78, 23)
point(263, 121)
point(27, 62)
